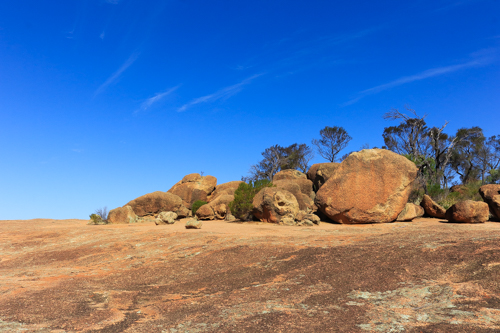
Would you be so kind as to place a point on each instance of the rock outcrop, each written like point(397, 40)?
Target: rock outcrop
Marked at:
point(491, 195)
point(122, 215)
point(432, 208)
point(302, 189)
point(319, 173)
point(369, 186)
point(156, 202)
point(215, 209)
point(194, 187)
point(468, 211)
point(224, 189)
point(289, 174)
point(410, 212)
point(272, 204)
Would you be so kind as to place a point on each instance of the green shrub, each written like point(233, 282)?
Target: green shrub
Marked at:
point(197, 204)
point(241, 207)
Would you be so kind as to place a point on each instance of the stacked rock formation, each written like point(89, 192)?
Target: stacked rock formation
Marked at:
point(491, 195)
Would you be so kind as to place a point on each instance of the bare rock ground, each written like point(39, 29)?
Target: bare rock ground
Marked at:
point(420, 276)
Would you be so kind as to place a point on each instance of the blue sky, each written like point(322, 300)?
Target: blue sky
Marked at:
point(104, 101)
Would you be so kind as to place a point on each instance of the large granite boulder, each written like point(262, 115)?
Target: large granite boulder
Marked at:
point(224, 189)
point(302, 190)
point(194, 187)
point(289, 174)
point(215, 209)
point(369, 186)
point(272, 204)
point(156, 202)
point(468, 211)
point(410, 212)
point(122, 215)
point(319, 173)
point(491, 195)
point(432, 208)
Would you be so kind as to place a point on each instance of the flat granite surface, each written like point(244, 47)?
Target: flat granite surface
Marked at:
point(420, 276)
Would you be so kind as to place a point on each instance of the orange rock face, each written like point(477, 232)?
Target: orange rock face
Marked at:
point(370, 186)
point(410, 212)
point(491, 195)
point(215, 209)
point(319, 173)
point(122, 215)
point(224, 189)
point(468, 211)
point(194, 187)
point(432, 208)
point(289, 174)
point(302, 190)
point(156, 202)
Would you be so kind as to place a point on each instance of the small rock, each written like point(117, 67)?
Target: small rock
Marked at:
point(431, 208)
point(166, 218)
point(410, 212)
point(193, 224)
point(313, 218)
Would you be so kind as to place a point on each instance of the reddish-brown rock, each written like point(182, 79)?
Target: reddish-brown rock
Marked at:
point(432, 208)
point(194, 187)
point(289, 174)
point(271, 204)
point(410, 212)
point(156, 202)
point(224, 189)
point(370, 186)
point(491, 195)
point(122, 215)
point(319, 173)
point(215, 209)
point(468, 211)
point(458, 188)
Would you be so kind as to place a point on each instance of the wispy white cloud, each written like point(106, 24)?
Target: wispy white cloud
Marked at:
point(102, 35)
point(417, 77)
point(133, 57)
point(220, 94)
point(156, 98)
point(113, 2)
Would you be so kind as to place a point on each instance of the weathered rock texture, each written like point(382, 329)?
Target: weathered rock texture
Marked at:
point(370, 186)
point(410, 212)
point(271, 204)
point(289, 174)
point(491, 195)
point(166, 218)
point(302, 189)
point(224, 189)
point(194, 224)
point(468, 211)
point(215, 209)
point(122, 215)
point(194, 187)
point(432, 208)
point(319, 173)
point(156, 202)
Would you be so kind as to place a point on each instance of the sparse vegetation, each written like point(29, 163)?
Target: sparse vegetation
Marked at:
point(100, 216)
point(241, 207)
point(196, 205)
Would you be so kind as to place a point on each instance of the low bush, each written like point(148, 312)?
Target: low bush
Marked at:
point(196, 205)
point(242, 205)
point(100, 216)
